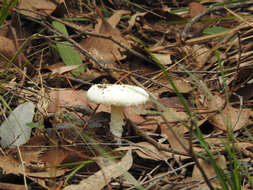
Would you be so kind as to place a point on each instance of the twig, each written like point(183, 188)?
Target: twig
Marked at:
point(79, 29)
point(164, 175)
point(155, 143)
point(208, 11)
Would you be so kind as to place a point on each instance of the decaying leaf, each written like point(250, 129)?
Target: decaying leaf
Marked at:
point(67, 98)
point(60, 68)
point(148, 151)
point(31, 6)
point(233, 118)
point(195, 9)
point(14, 131)
point(208, 169)
point(101, 178)
point(8, 50)
point(246, 148)
point(164, 59)
point(176, 139)
point(105, 50)
point(13, 166)
point(137, 119)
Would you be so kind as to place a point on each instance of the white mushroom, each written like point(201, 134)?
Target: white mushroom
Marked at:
point(118, 96)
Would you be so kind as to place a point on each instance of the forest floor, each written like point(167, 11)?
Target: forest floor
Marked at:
point(193, 58)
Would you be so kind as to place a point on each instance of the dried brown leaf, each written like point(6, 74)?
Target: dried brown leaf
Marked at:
point(148, 151)
point(100, 179)
point(175, 138)
point(195, 9)
point(132, 20)
point(29, 7)
point(229, 116)
point(246, 148)
point(67, 98)
point(54, 157)
point(105, 50)
point(8, 49)
point(61, 68)
point(208, 169)
point(233, 117)
point(115, 18)
point(164, 59)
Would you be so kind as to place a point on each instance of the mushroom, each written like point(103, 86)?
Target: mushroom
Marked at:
point(119, 97)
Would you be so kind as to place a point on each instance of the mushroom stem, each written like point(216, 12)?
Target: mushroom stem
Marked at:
point(117, 120)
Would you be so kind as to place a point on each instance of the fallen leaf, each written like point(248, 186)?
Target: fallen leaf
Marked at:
point(54, 157)
point(208, 169)
point(10, 186)
point(195, 9)
point(8, 49)
point(200, 54)
point(229, 116)
point(132, 21)
point(175, 138)
point(148, 151)
point(12, 166)
point(115, 18)
point(9, 165)
point(29, 7)
point(105, 50)
point(143, 124)
point(69, 55)
point(67, 98)
point(164, 59)
point(14, 130)
point(246, 148)
point(100, 179)
point(64, 69)
point(232, 117)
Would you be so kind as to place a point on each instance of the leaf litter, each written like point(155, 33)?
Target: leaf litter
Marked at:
point(204, 48)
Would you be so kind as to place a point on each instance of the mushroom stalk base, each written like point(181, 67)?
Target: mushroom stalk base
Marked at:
point(117, 121)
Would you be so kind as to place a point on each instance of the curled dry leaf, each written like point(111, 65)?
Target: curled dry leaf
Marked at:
point(132, 21)
point(115, 18)
point(100, 179)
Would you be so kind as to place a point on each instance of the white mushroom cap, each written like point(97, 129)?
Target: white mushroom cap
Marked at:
point(117, 95)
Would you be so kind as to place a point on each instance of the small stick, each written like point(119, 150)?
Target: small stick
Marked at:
point(208, 11)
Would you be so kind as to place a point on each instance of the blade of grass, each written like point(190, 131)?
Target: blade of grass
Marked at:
point(4, 11)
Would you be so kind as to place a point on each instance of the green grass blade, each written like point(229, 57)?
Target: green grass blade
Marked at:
point(4, 11)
